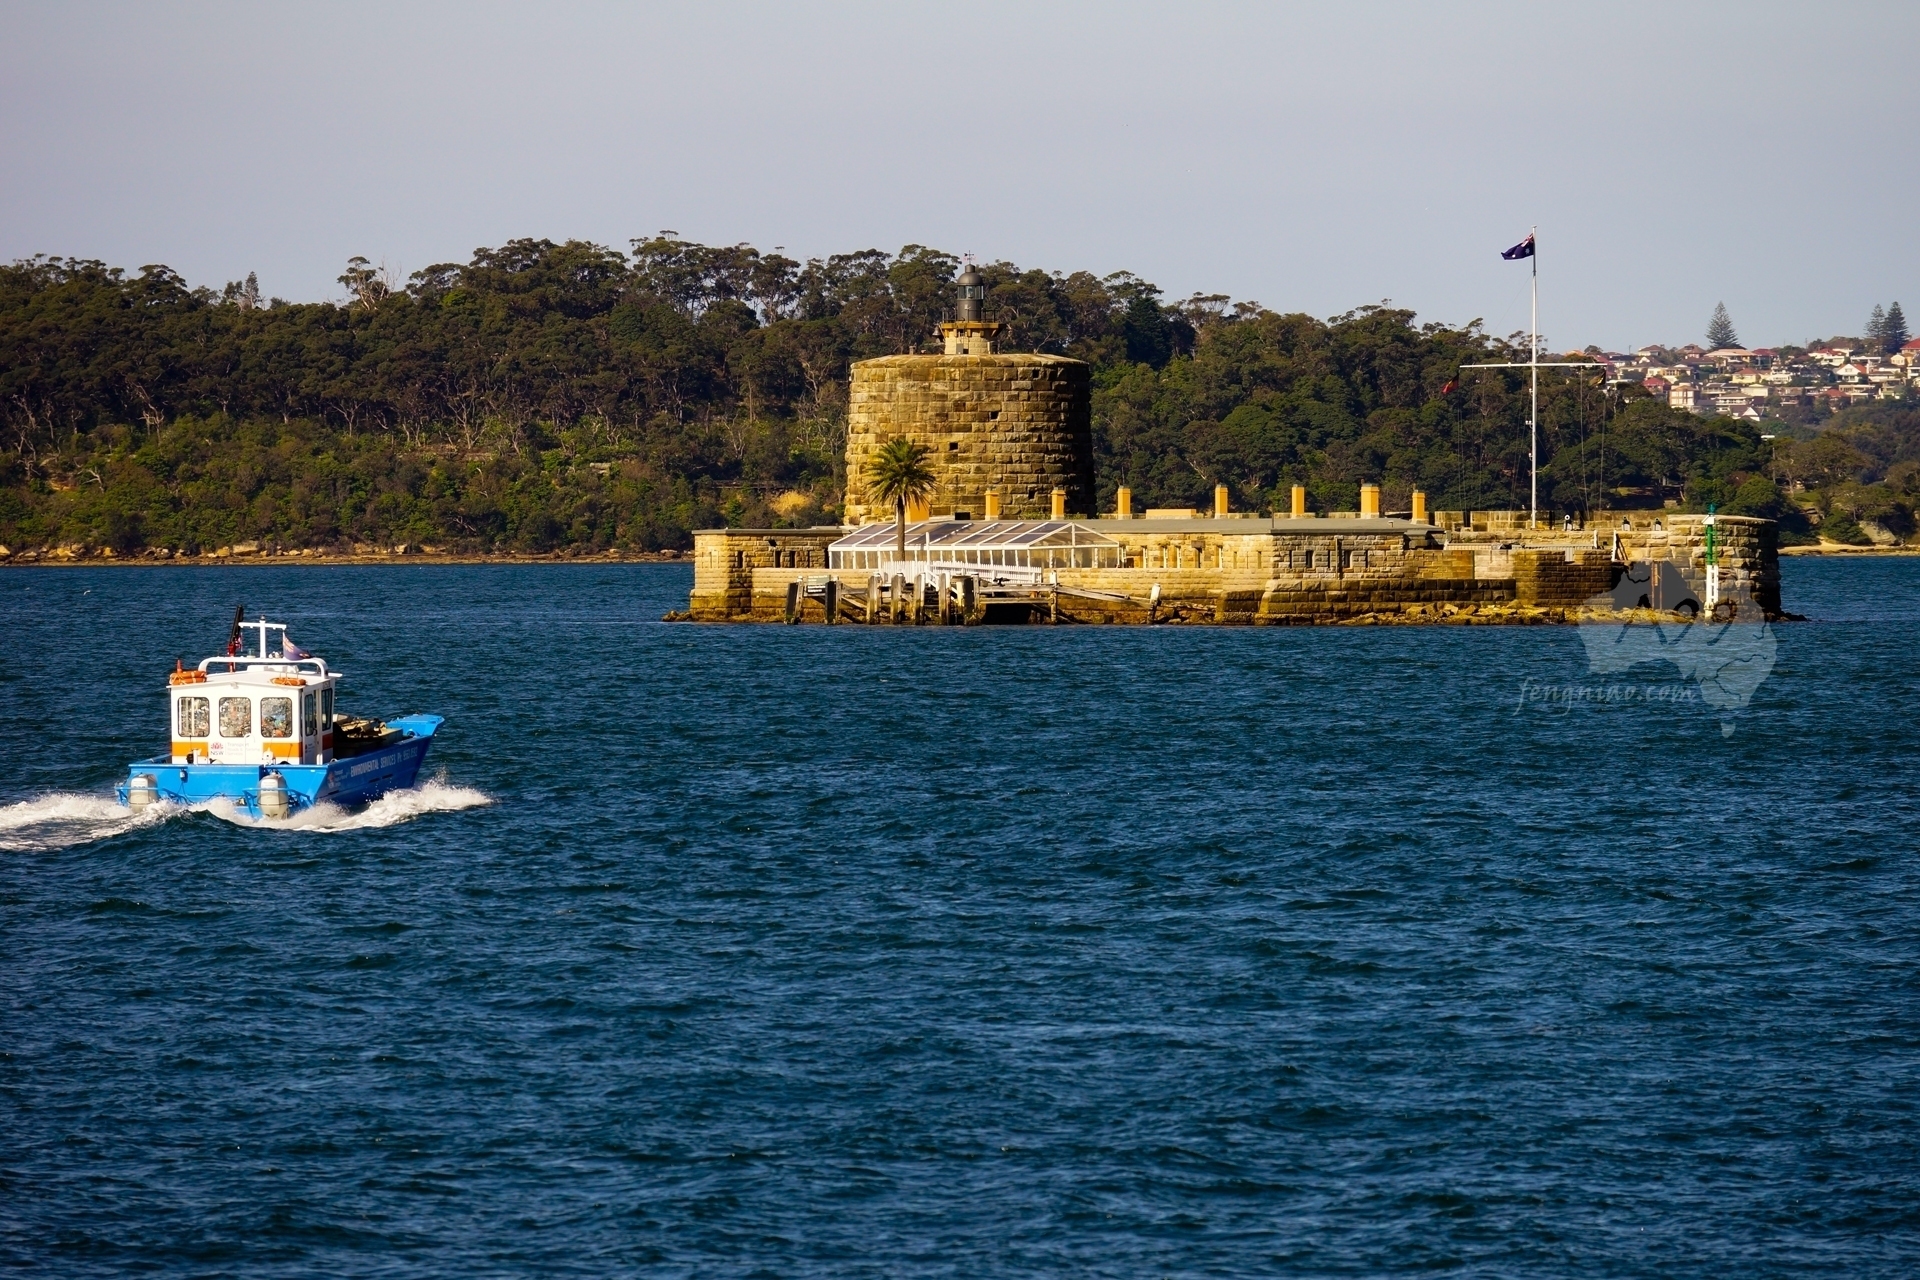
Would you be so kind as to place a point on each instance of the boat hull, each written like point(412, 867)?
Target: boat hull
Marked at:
point(354, 780)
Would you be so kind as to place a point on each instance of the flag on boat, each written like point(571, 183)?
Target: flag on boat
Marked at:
point(1522, 250)
point(288, 649)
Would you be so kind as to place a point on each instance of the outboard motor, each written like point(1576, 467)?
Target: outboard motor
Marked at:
point(142, 790)
point(273, 796)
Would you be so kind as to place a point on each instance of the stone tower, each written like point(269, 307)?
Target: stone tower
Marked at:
point(1019, 424)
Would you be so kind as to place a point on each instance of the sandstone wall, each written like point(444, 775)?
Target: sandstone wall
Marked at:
point(1017, 422)
point(724, 561)
point(1566, 579)
point(1747, 546)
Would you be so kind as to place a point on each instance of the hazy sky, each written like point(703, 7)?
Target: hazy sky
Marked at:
point(1309, 158)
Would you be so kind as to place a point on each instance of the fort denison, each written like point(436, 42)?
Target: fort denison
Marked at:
point(1009, 530)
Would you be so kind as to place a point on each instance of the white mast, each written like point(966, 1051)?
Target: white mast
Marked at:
point(1533, 416)
point(1533, 364)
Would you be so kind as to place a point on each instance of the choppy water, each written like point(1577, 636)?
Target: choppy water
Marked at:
point(1077, 951)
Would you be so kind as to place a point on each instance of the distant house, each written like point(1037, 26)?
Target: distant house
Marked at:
point(1656, 385)
point(1681, 396)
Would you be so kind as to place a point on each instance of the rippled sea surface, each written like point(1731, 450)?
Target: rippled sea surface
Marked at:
point(962, 952)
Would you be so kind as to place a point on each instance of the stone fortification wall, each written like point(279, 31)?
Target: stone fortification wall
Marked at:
point(1293, 571)
point(1018, 423)
point(1382, 547)
point(1747, 546)
point(1560, 578)
point(724, 561)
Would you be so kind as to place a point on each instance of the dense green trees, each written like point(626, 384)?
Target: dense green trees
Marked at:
point(549, 396)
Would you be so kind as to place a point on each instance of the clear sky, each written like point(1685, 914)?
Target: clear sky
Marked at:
point(1309, 158)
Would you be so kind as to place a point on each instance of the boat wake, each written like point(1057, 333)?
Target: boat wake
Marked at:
point(433, 796)
point(64, 819)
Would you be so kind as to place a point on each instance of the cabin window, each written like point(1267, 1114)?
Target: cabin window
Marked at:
point(193, 718)
point(326, 708)
point(276, 717)
point(309, 715)
point(236, 717)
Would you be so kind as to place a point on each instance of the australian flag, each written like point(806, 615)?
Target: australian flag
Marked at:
point(290, 650)
point(1522, 250)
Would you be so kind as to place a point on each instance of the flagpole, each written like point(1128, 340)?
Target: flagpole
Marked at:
point(1533, 421)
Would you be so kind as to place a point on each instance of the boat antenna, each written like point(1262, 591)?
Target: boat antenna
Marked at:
point(233, 636)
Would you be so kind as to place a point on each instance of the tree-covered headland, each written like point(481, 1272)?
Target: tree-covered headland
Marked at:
point(569, 397)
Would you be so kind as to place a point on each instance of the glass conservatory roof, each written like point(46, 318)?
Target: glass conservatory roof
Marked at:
point(977, 535)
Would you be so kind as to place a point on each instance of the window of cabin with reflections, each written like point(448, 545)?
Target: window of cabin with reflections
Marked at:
point(192, 720)
point(309, 715)
point(276, 717)
point(236, 717)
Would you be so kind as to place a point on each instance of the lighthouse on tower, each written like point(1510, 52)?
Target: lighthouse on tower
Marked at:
point(970, 333)
point(1002, 431)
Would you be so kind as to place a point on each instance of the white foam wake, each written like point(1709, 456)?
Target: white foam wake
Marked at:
point(63, 819)
point(433, 796)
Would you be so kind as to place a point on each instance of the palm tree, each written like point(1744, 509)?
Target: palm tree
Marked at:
point(899, 474)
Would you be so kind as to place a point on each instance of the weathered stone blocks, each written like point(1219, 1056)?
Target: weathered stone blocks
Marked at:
point(1016, 422)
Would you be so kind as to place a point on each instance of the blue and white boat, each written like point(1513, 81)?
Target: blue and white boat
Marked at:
point(260, 731)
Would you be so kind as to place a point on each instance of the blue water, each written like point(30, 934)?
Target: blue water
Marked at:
point(961, 952)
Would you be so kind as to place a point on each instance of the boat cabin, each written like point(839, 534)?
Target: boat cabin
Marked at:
point(273, 705)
